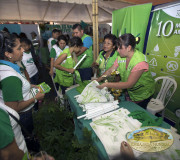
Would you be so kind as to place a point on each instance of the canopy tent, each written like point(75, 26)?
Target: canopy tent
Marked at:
point(66, 11)
point(62, 11)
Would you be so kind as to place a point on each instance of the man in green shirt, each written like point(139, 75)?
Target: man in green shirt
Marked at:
point(85, 69)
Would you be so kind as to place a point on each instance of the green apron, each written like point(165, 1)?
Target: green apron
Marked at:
point(62, 77)
point(145, 86)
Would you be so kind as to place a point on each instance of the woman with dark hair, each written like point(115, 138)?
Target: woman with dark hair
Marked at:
point(134, 70)
point(65, 63)
point(28, 61)
point(15, 91)
point(108, 55)
point(56, 50)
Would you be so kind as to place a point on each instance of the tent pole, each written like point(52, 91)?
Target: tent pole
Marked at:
point(19, 10)
point(93, 16)
point(95, 28)
point(97, 34)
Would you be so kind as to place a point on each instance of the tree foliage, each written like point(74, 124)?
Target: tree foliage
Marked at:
point(54, 127)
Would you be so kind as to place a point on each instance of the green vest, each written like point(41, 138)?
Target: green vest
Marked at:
point(145, 86)
point(63, 77)
point(87, 62)
point(107, 63)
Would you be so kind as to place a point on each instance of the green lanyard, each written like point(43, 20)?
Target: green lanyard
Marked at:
point(105, 62)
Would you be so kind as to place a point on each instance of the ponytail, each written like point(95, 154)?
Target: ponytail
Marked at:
point(128, 39)
point(137, 39)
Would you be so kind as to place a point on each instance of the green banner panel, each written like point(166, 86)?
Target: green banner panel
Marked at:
point(163, 51)
point(132, 20)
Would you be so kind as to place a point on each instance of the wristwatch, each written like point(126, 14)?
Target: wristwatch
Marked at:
point(35, 100)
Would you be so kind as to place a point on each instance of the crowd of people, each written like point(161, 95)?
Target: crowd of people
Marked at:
point(19, 94)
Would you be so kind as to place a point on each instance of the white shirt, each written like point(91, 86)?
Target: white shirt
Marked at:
point(49, 43)
point(15, 127)
point(27, 91)
point(29, 64)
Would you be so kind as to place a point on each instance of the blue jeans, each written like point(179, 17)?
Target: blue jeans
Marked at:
point(85, 73)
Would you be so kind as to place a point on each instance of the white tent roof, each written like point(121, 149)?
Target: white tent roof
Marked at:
point(63, 11)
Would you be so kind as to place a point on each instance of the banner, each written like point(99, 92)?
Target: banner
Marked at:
point(132, 20)
point(163, 51)
point(64, 27)
point(46, 30)
point(11, 27)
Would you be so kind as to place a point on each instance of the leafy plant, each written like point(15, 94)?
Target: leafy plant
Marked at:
point(54, 127)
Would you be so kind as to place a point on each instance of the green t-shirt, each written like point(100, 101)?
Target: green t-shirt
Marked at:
point(11, 89)
point(53, 53)
point(53, 42)
point(6, 132)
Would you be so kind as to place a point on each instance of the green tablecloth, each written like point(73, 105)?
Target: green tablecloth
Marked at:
point(81, 123)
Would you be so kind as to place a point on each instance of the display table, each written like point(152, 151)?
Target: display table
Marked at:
point(81, 123)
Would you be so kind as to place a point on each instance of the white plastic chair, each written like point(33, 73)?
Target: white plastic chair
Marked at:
point(158, 104)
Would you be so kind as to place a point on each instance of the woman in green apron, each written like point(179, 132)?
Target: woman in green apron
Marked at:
point(108, 55)
point(134, 70)
point(65, 63)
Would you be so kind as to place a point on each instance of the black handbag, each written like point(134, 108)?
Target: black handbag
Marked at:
point(31, 141)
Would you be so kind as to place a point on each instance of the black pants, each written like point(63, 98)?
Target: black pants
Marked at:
point(26, 120)
point(144, 103)
point(63, 88)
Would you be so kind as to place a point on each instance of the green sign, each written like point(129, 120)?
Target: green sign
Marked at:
point(163, 51)
point(64, 27)
point(132, 20)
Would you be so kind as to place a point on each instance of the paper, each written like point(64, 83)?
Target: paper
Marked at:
point(111, 128)
point(92, 94)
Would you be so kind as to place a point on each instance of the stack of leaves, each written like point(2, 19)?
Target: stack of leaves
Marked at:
point(54, 127)
point(145, 119)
